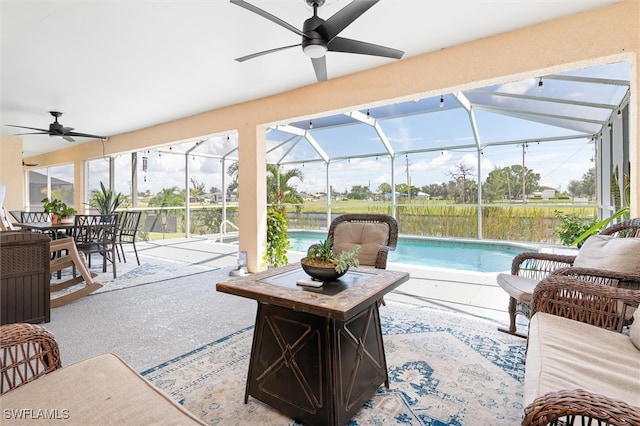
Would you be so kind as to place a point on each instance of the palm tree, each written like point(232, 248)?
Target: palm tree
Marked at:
point(168, 197)
point(279, 190)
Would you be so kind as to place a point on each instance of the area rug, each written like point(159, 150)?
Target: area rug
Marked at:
point(151, 270)
point(445, 368)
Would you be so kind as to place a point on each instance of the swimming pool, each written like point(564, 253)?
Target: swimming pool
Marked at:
point(469, 255)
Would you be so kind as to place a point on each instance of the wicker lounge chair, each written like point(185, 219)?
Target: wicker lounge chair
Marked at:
point(377, 234)
point(580, 367)
point(102, 390)
point(527, 269)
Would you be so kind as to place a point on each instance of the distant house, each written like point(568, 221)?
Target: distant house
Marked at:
point(548, 193)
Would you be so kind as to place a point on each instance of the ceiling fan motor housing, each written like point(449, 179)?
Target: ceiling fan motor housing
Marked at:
point(56, 127)
point(314, 43)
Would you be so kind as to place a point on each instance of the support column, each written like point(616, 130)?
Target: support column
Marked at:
point(634, 137)
point(252, 195)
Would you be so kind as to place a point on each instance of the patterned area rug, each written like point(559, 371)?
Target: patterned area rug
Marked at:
point(130, 274)
point(445, 368)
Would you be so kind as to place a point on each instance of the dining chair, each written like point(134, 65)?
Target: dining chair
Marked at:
point(34, 217)
point(127, 233)
point(97, 234)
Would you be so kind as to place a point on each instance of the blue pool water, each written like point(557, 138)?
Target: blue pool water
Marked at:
point(478, 256)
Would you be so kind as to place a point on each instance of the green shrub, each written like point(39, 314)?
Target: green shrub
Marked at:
point(277, 238)
point(571, 227)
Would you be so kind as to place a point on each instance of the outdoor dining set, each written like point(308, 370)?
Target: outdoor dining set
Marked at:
point(34, 248)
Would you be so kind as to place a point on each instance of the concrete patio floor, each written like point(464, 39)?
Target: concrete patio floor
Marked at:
point(150, 324)
point(476, 293)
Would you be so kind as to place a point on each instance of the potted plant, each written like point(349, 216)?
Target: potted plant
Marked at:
point(105, 201)
point(322, 264)
point(60, 212)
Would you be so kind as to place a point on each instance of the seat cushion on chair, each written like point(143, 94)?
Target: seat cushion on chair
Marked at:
point(610, 253)
point(369, 236)
point(103, 390)
point(568, 354)
point(520, 288)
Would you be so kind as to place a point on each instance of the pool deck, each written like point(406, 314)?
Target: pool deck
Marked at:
point(476, 293)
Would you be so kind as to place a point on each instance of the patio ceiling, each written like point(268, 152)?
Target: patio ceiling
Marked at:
point(114, 67)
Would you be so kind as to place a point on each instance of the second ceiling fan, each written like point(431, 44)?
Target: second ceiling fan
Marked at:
point(320, 36)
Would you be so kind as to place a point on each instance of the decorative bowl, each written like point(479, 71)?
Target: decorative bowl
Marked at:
point(321, 273)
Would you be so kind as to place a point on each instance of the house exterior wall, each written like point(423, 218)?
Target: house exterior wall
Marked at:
point(599, 36)
point(11, 172)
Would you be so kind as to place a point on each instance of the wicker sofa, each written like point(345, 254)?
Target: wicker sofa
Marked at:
point(582, 361)
point(102, 390)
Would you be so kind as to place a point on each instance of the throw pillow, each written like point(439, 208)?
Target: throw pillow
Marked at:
point(610, 253)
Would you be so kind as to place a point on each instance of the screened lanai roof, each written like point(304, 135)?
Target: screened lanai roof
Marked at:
point(565, 106)
point(571, 105)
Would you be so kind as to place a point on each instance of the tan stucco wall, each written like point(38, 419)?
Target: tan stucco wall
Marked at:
point(11, 174)
point(600, 36)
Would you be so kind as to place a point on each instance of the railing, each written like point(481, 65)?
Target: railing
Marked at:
point(223, 229)
point(534, 221)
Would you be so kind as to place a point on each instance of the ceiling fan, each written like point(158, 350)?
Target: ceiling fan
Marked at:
point(56, 129)
point(320, 36)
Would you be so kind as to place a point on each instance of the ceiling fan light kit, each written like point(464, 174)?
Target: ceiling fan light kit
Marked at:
point(320, 36)
point(315, 50)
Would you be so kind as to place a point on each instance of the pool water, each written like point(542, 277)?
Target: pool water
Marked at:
point(477, 256)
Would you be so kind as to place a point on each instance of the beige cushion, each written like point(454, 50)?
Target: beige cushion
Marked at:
point(610, 253)
point(102, 390)
point(520, 288)
point(369, 236)
point(634, 330)
point(567, 354)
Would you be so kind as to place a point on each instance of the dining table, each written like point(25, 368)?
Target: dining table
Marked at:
point(54, 230)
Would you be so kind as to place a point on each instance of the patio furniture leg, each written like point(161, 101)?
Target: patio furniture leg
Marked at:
point(513, 329)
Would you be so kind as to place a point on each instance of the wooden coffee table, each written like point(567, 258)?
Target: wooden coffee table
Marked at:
point(317, 353)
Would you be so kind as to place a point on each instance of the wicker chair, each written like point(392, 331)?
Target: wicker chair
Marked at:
point(27, 353)
point(598, 305)
point(529, 268)
point(100, 390)
point(380, 258)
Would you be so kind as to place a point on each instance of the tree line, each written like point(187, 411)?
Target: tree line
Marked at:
point(502, 184)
